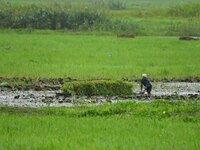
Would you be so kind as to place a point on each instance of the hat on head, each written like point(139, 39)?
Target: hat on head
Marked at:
point(144, 75)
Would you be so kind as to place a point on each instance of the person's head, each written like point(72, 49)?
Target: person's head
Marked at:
point(144, 75)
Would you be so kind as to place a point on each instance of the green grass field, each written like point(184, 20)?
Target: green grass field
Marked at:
point(157, 125)
point(56, 54)
point(129, 3)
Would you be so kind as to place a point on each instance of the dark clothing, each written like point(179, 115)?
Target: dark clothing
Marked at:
point(145, 82)
point(148, 89)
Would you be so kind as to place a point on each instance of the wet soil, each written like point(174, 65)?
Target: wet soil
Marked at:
point(40, 84)
point(49, 95)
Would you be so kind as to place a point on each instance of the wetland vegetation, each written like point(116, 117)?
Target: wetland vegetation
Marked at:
point(49, 45)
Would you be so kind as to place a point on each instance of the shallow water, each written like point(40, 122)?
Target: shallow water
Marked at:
point(56, 99)
point(179, 88)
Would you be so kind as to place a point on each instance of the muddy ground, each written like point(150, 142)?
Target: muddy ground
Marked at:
point(48, 94)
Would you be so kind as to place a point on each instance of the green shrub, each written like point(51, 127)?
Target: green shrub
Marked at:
point(97, 88)
point(185, 10)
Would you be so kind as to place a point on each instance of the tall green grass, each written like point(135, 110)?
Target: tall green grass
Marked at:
point(136, 4)
point(48, 17)
point(174, 125)
point(182, 19)
point(186, 10)
point(59, 54)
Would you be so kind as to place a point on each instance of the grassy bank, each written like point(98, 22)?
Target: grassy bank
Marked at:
point(174, 125)
point(57, 54)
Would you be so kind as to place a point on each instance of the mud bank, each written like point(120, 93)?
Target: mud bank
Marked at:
point(39, 84)
point(55, 98)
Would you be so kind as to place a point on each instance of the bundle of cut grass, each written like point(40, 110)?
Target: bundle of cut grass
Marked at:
point(97, 88)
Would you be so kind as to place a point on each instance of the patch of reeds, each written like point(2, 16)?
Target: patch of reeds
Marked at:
point(182, 19)
point(185, 10)
point(40, 17)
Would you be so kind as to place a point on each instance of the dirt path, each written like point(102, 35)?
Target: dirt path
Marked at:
point(55, 98)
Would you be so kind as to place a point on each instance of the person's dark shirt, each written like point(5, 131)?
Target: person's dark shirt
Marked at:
point(145, 82)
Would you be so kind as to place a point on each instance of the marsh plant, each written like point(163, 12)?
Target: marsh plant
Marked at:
point(103, 16)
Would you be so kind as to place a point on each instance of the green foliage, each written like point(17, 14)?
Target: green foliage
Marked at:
point(156, 109)
point(97, 88)
point(185, 10)
point(46, 17)
point(4, 84)
point(136, 4)
point(182, 19)
point(18, 84)
point(121, 26)
point(191, 28)
point(116, 5)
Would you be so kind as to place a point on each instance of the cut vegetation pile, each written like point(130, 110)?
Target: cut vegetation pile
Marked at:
point(97, 88)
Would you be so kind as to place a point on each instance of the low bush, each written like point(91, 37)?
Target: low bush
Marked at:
point(97, 88)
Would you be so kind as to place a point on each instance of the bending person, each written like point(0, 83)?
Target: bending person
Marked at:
point(146, 83)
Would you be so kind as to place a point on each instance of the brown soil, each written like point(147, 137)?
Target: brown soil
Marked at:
point(188, 38)
point(126, 36)
point(55, 98)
